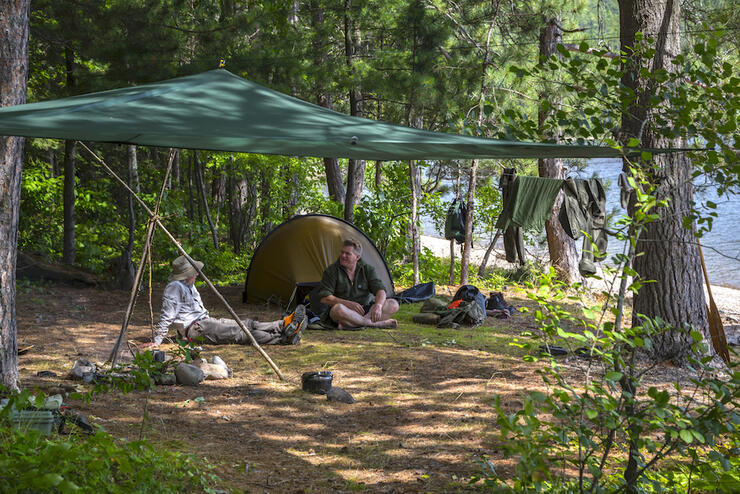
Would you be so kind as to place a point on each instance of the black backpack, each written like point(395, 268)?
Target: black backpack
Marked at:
point(457, 213)
point(470, 293)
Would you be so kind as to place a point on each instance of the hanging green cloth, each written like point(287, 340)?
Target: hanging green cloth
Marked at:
point(529, 202)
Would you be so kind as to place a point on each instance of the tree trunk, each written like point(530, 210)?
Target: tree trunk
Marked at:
point(200, 182)
point(355, 180)
point(133, 182)
point(452, 242)
point(334, 183)
point(563, 254)
point(415, 193)
point(468, 246)
point(355, 168)
point(70, 148)
point(13, 77)
point(265, 204)
point(125, 269)
point(452, 262)
point(237, 194)
point(666, 252)
point(175, 177)
point(484, 262)
point(68, 201)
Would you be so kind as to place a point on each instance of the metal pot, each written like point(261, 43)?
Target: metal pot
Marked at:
point(317, 382)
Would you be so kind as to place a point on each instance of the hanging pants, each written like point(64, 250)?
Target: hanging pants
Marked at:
point(227, 331)
point(584, 211)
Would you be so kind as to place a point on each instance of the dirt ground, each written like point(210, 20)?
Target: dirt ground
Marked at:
point(422, 414)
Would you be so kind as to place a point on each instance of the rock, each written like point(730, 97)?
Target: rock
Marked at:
point(80, 368)
point(255, 391)
point(189, 375)
point(732, 334)
point(212, 371)
point(166, 380)
point(338, 394)
point(218, 361)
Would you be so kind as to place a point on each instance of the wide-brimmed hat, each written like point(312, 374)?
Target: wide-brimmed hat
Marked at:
point(182, 269)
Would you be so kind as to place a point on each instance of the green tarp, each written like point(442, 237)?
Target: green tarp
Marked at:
point(217, 110)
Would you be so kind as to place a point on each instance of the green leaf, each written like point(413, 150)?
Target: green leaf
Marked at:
point(633, 143)
point(538, 396)
point(698, 435)
point(613, 376)
point(49, 480)
point(686, 436)
point(591, 414)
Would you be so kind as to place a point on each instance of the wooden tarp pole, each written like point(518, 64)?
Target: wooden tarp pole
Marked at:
point(192, 263)
point(140, 269)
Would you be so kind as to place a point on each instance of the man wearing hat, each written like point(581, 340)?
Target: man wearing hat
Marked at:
point(182, 305)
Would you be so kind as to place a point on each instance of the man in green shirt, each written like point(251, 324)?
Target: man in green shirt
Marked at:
point(355, 295)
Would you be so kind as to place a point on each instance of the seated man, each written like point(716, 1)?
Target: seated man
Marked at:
point(182, 305)
point(348, 286)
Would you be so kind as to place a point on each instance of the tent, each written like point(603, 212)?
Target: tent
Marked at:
point(217, 110)
point(299, 250)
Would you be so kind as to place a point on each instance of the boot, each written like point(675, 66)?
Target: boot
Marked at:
point(496, 301)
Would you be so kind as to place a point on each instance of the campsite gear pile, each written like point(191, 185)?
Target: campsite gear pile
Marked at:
point(51, 415)
point(467, 308)
point(454, 314)
point(86, 371)
point(184, 374)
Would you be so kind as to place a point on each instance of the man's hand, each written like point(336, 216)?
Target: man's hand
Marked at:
point(354, 306)
point(376, 312)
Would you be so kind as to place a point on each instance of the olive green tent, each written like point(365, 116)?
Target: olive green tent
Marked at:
point(299, 250)
point(217, 110)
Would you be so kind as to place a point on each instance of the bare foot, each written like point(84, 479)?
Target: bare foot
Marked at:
point(387, 324)
point(341, 326)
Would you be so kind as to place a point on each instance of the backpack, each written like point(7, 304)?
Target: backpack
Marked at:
point(457, 214)
point(466, 314)
point(470, 293)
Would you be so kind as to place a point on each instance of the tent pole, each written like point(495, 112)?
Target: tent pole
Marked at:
point(155, 218)
point(140, 269)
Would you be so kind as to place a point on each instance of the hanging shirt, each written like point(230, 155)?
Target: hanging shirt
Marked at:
point(181, 304)
point(529, 202)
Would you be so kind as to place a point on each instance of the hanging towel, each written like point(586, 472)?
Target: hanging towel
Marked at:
point(529, 202)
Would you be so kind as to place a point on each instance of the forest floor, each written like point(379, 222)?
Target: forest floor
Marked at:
point(423, 413)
